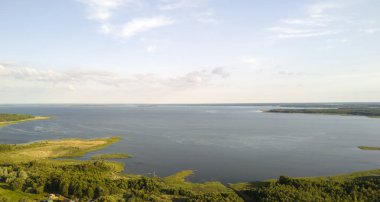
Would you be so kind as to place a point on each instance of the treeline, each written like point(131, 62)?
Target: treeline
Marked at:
point(97, 180)
point(291, 189)
point(370, 112)
point(14, 117)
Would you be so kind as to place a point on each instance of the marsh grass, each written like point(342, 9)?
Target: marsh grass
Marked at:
point(178, 180)
point(48, 149)
point(111, 156)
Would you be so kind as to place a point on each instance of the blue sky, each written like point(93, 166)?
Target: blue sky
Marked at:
point(189, 51)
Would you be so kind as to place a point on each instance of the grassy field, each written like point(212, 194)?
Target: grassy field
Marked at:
point(111, 156)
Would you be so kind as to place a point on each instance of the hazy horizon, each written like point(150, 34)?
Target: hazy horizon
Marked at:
point(189, 51)
point(200, 104)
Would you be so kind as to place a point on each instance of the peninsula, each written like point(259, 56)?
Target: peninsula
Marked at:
point(8, 119)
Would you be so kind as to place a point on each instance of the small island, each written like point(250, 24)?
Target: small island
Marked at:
point(111, 156)
point(368, 148)
point(369, 112)
point(8, 119)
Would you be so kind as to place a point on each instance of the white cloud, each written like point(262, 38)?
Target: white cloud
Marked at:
point(74, 80)
point(151, 48)
point(317, 22)
point(249, 60)
point(319, 9)
point(106, 28)
point(140, 25)
point(179, 4)
point(71, 88)
point(220, 71)
point(101, 9)
point(284, 32)
point(111, 13)
point(371, 30)
point(206, 17)
point(369, 27)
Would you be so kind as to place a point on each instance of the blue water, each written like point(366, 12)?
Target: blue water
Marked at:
point(225, 143)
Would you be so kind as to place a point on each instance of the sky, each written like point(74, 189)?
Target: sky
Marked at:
point(189, 51)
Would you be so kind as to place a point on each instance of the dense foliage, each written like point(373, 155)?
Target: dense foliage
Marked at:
point(14, 117)
point(292, 189)
point(97, 180)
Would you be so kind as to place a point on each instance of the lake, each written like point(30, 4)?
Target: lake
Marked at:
point(225, 143)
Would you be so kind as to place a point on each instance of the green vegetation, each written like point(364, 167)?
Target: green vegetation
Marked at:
point(52, 149)
point(368, 148)
point(14, 117)
point(209, 191)
point(369, 112)
point(110, 156)
point(31, 171)
point(6, 194)
point(360, 186)
point(7, 119)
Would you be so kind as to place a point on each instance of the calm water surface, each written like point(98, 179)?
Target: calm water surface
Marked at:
point(225, 143)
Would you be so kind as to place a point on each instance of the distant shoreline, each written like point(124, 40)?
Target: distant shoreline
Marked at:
point(367, 112)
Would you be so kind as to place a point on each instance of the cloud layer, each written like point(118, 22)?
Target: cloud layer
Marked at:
point(140, 25)
point(75, 79)
point(103, 11)
point(322, 19)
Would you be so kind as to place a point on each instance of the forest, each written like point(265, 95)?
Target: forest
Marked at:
point(361, 186)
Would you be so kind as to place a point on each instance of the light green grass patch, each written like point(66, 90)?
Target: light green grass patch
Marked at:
point(111, 156)
point(179, 180)
point(53, 149)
